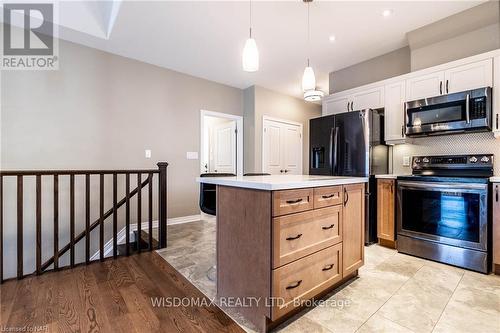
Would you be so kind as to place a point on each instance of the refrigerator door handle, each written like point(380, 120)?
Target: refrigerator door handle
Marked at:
point(334, 149)
point(332, 133)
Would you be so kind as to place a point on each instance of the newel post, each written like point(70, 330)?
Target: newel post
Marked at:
point(162, 205)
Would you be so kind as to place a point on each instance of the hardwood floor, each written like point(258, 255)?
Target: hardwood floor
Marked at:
point(112, 296)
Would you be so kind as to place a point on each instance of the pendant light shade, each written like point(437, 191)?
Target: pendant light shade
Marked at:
point(250, 56)
point(308, 79)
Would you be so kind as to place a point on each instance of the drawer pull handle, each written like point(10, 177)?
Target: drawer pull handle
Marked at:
point(327, 268)
point(291, 202)
point(328, 196)
point(293, 238)
point(329, 227)
point(293, 286)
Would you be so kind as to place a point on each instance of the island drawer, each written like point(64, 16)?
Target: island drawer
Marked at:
point(327, 196)
point(305, 278)
point(297, 235)
point(292, 201)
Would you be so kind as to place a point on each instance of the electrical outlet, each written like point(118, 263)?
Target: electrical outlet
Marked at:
point(147, 153)
point(406, 160)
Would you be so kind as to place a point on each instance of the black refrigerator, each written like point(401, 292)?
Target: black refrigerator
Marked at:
point(351, 144)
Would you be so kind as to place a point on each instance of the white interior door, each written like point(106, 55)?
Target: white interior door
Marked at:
point(224, 147)
point(292, 149)
point(271, 153)
point(281, 147)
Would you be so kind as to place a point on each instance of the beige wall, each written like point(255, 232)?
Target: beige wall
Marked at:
point(383, 67)
point(270, 103)
point(101, 111)
point(461, 35)
point(468, 44)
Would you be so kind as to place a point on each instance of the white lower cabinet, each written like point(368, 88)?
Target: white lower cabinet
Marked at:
point(394, 113)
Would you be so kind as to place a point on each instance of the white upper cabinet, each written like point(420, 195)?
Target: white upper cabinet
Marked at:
point(368, 99)
point(424, 86)
point(496, 97)
point(467, 77)
point(336, 104)
point(460, 78)
point(371, 98)
point(394, 112)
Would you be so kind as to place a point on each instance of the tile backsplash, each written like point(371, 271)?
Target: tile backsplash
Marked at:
point(472, 143)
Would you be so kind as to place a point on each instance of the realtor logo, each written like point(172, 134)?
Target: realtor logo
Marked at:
point(28, 37)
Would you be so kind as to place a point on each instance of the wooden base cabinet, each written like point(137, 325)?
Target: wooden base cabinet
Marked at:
point(286, 247)
point(496, 228)
point(386, 200)
point(353, 215)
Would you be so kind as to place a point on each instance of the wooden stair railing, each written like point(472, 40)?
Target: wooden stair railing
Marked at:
point(54, 260)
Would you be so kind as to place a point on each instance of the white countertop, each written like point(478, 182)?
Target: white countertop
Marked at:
point(388, 176)
point(495, 179)
point(281, 182)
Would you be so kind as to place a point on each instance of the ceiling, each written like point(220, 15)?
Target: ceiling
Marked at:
point(205, 39)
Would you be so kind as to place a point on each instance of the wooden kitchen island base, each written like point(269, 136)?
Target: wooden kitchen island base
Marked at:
point(278, 247)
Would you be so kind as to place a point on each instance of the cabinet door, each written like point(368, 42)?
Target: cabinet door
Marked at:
point(368, 99)
point(336, 104)
point(292, 149)
point(496, 98)
point(385, 209)
point(394, 117)
point(471, 76)
point(425, 86)
point(496, 228)
point(353, 238)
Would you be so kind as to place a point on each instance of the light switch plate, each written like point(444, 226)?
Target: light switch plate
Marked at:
point(192, 155)
point(406, 160)
point(147, 153)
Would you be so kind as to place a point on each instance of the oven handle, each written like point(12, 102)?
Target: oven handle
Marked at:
point(431, 186)
point(467, 112)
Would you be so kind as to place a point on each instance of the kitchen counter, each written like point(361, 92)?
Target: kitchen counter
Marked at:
point(495, 179)
point(281, 182)
point(283, 240)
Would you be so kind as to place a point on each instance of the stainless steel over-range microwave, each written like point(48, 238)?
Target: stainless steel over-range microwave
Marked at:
point(467, 111)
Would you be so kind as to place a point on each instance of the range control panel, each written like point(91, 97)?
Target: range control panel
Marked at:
point(452, 161)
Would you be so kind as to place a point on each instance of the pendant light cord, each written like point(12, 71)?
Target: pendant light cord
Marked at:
point(308, 36)
point(250, 3)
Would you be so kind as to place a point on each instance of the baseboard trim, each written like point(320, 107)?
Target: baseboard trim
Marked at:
point(108, 246)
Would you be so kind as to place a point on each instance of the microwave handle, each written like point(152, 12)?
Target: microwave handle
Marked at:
point(467, 112)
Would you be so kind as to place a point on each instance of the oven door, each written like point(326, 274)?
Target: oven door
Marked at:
point(448, 213)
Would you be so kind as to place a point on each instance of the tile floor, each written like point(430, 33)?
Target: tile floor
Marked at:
point(393, 293)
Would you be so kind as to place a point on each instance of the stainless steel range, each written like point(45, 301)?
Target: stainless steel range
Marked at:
point(442, 211)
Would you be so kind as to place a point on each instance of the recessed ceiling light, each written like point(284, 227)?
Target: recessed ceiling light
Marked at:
point(331, 38)
point(387, 12)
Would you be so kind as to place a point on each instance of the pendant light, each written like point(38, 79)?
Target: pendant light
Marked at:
point(311, 94)
point(250, 57)
point(308, 79)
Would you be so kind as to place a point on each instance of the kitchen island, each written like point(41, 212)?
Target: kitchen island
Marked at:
point(283, 240)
